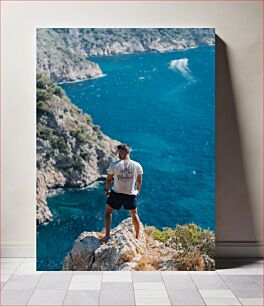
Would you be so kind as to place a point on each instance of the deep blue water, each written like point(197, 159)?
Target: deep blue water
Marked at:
point(168, 118)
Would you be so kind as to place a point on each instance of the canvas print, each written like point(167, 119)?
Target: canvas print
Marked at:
point(125, 140)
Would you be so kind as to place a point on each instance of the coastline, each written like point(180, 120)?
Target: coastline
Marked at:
point(126, 53)
point(60, 190)
point(81, 80)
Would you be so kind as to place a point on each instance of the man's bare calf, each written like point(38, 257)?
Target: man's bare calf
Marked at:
point(135, 220)
point(108, 220)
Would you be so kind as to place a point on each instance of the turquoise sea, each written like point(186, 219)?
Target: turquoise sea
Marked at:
point(163, 105)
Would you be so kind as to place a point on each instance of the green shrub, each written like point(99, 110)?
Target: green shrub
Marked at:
point(42, 80)
point(79, 164)
point(48, 155)
point(39, 164)
point(187, 237)
point(85, 154)
point(42, 107)
point(190, 261)
point(44, 132)
point(190, 235)
point(46, 88)
point(59, 92)
point(164, 235)
point(99, 133)
point(96, 127)
point(80, 134)
point(43, 94)
point(88, 118)
point(74, 57)
point(59, 47)
point(58, 142)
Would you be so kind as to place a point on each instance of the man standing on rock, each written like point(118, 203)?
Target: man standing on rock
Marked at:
point(127, 175)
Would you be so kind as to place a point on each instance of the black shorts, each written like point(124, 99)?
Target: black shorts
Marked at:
point(116, 200)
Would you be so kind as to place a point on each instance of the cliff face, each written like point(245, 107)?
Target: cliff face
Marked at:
point(124, 252)
point(71, 150)
point(114, 41)
point(88, 254)
point(62, 53)
point(61, 60)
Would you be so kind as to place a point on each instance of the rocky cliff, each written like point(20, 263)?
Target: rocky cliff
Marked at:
point(62, 60)
point(62, 52)
point(124, 252)
point(72, 151)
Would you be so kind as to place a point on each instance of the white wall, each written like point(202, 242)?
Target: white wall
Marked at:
point(239, 143)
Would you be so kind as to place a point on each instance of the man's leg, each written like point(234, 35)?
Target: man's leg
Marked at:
point(108, 218)
point(135, 220)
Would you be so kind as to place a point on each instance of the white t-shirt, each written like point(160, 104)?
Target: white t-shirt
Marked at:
point(125, 175)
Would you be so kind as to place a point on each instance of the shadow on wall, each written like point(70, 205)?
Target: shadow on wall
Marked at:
point(234, 209)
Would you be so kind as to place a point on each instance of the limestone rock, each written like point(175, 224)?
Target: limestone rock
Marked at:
point(60, 61)
point(71, 150)
point(45, 180)
point(169, 265)
point(123, 252)
point(121, 247)
point(209, 263)
point(81, 256)
point(88, 254)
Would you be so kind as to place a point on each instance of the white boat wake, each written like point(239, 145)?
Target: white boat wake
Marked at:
point(182, 66)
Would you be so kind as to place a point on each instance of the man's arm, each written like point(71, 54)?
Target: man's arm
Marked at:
point(108, 183)
point(139, 182)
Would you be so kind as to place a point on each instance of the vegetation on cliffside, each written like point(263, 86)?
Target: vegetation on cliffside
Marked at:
point(72, 151)
point(193, 244)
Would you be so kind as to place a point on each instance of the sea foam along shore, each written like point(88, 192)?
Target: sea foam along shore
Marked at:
point(81, 80)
